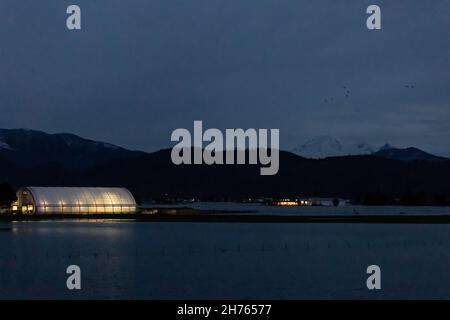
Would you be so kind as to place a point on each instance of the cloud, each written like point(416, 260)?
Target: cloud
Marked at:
point(140, 69)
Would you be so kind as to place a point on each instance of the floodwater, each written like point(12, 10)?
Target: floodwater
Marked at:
point(258, 208)
point(166, 260)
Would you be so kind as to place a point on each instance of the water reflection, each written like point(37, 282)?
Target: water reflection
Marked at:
point(207, 260)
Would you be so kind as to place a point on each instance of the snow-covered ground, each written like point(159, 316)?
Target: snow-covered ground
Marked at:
point(221, 260)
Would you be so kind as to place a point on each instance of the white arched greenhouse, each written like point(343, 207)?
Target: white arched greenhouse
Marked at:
point(62, 200)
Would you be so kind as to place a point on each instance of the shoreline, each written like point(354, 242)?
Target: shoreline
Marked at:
point(240, 217)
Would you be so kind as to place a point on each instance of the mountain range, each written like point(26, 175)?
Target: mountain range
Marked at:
point(327, 146)
point(34, 148)
point(37, 158)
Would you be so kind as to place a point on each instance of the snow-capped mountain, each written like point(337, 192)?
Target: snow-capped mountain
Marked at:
point(4, 145)
point(327, 146)
point(360, 148)
point(387, 146)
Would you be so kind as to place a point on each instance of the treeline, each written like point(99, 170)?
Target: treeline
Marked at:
point(7, 194)
point(405, 199)
point(368, 199)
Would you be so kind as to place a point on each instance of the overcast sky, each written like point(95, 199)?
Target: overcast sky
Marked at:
point(139, 69)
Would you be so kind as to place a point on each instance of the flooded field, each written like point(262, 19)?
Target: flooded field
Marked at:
point(220, 260)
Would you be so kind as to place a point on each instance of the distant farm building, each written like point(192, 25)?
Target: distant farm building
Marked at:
point(327, 202)
point(60, 200)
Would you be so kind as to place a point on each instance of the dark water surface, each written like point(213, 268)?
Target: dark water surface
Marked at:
point(206, 260)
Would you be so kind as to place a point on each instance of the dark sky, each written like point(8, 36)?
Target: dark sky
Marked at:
point(139, 69)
